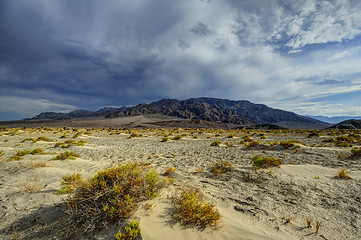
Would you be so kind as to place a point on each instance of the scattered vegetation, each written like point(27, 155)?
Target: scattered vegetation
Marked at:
point(164, 139)
point(66, 155)
point(192, 209)
point(265, 162)
point(22, 153)
point(69, 143)
point(342, 173)
point(131, 231)
point(221, 167)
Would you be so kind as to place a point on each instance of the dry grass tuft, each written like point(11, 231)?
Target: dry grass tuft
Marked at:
point(342, 173)
point(308, 222)
point(31, 187)
point(192, 209)
point(318, 225)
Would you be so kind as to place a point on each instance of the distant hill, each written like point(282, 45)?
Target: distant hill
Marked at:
point(334, 120)
point(348, 124)
point(241, 112)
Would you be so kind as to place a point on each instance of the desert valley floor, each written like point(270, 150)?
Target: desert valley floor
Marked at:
point(264, 203)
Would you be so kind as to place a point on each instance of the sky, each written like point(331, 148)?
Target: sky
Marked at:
point(62, 55)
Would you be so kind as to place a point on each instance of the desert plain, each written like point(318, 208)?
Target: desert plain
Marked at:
point(273, 202)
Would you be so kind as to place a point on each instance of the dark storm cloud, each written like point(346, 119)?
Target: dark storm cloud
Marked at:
point(61, 55)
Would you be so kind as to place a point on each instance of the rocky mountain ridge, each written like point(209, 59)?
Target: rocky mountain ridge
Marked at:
point(240, 112)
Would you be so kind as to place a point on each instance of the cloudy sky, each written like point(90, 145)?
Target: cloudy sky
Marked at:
point(61, 55)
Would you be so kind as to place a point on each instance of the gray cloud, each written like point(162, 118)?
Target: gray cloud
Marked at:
point(90, 54)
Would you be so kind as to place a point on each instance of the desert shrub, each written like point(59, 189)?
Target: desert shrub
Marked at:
point(192, 209)
point(177, 138)
point(230, 136)
point(22, 153)
point(287, 144)
point(133, 135)
point(28, 139)
point(221, 167)
point(131, 231)
point(69, 143)
point(45, 139)
point(37, 151)
point(164, 139)
point(313, 134)
point(66, 155)
point(69, 182)
point(2, 152)
point(342, 173)
point(169, 171)
point(265, 162)
point(111, 195)
point(216, 143)
point(355, 152)
point(251, 143)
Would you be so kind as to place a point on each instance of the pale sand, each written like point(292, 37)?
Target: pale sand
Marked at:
point(253, 209)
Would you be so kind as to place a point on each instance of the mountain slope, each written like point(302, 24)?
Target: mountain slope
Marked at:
point(348, 124)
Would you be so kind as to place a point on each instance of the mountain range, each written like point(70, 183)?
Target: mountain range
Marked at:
point(334, 120)
point(242, 113)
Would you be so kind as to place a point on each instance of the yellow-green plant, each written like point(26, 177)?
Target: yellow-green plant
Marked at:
point(111, 195)
point(66, 155)
point(69, 182)
point(192, 209)
point(265, 162)
point(216, 143)
point(131, 231)
point(221, 167)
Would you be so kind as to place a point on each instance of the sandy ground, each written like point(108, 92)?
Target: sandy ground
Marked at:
point(253, 204)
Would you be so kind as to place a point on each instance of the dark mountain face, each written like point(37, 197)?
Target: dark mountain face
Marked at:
point(207, 109)
point(348, 124)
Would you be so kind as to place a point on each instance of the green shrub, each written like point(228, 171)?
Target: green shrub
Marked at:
point(221, 167)
point(355, 152)
point(287, 144)
point(45, 139)
point(177, 138)
point(131, 231)
point(216, 143)
point(192, 209)
point(69, 182)
point(265, 162)
point(164, 139)
point(111, 195)
point(66, 155)
point(28, 139)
